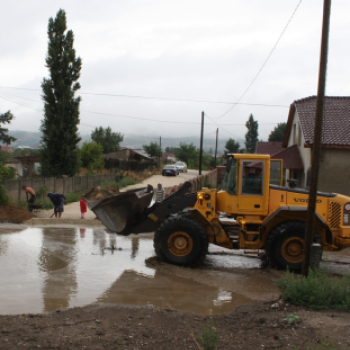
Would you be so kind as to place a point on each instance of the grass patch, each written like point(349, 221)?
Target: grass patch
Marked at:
point(46, 204)
point(208, 337)
point(319, 290)
point(125, 181)
point(73, 197)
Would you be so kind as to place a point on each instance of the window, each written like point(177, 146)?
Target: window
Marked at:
point(252, 177)
point(229, 182)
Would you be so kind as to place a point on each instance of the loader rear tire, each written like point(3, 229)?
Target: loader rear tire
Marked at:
point(285, 245)
point(181, 241)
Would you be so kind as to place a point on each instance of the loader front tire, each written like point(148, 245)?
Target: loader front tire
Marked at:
point(181, 241)
point(285, 245)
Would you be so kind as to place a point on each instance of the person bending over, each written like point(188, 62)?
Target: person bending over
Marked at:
point(58, 200)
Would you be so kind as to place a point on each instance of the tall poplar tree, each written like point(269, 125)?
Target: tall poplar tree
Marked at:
point(59, 153)
point(251, 137)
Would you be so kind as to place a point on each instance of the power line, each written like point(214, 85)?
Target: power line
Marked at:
point(163, 98)
point(265, 62)
point(239, 138)
point(116, 115)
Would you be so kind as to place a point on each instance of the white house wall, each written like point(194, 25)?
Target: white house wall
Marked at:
point(305, 153)
point(334, 170)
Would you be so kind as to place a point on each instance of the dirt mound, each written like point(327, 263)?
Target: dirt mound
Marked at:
point(98, 192)
point(11, 213)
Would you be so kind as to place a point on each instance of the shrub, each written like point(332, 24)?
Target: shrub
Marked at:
point(41, 193)
point(125, 181)
point(4, 198)
point(319, 290)
point(73, 197)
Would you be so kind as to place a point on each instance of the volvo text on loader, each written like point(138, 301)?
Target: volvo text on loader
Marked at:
point(266, 216)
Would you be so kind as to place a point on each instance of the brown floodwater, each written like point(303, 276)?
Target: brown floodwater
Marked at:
point(48, 269)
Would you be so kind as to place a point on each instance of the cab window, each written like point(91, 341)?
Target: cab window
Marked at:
point(252, 177)
point(230, 179)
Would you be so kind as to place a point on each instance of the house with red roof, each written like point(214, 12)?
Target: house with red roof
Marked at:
point(6, 148)
point(335, 155)
point(292, 164)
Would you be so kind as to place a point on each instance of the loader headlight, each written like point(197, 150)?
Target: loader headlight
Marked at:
point(200, 196)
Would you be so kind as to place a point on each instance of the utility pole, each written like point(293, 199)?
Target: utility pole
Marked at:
point(216, 144)
point(201, 146)
point(160, 150)
point(317, 136)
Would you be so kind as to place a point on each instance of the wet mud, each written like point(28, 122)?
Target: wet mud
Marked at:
point(49, 269)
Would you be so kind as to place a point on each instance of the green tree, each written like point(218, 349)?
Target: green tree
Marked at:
point(251, 137)
point(6, 173)
point(59, 154)
point(231, 146)
point(91, 156)
point(22, 152)
point(187, 152)
point(6, 118)
point(277, 134)
point(153, 149)
point(108, 139)
point(170, 149)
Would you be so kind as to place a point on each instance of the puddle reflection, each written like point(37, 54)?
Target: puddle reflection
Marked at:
point(53, 268)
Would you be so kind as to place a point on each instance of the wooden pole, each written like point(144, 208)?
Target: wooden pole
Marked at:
point(216, 145)
point(160, 150)
point(201, 145)
point(316, 151)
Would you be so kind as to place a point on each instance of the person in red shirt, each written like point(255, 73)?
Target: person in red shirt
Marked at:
point(83, 207)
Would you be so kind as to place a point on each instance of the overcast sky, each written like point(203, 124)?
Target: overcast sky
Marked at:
point(207, 51)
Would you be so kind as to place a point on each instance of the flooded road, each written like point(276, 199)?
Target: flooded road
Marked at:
point(47, 269)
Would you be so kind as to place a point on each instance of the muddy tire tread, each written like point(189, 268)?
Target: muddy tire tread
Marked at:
point(180, 223)
point(275, 239)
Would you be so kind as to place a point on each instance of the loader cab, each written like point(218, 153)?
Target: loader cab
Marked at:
point(246, 183)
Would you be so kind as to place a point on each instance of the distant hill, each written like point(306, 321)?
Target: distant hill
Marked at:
point(25, 139)
point(32, 140)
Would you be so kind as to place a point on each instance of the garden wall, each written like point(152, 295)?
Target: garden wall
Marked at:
point(59, 185)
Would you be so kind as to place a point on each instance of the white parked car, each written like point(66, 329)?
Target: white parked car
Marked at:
point(182, 166)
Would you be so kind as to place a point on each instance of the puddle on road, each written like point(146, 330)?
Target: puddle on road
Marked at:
point(47, 269)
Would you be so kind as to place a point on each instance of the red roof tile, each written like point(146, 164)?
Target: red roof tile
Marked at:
point(268, 147)
point(6, 148)
point(291, 158)
point(336, 120)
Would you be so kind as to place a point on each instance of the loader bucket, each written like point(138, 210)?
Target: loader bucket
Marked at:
point(120, 213)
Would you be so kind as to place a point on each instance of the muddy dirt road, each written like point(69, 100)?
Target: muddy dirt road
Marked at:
point(81, 288)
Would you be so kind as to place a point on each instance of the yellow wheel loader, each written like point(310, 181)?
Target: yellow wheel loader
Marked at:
point(252, 211)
